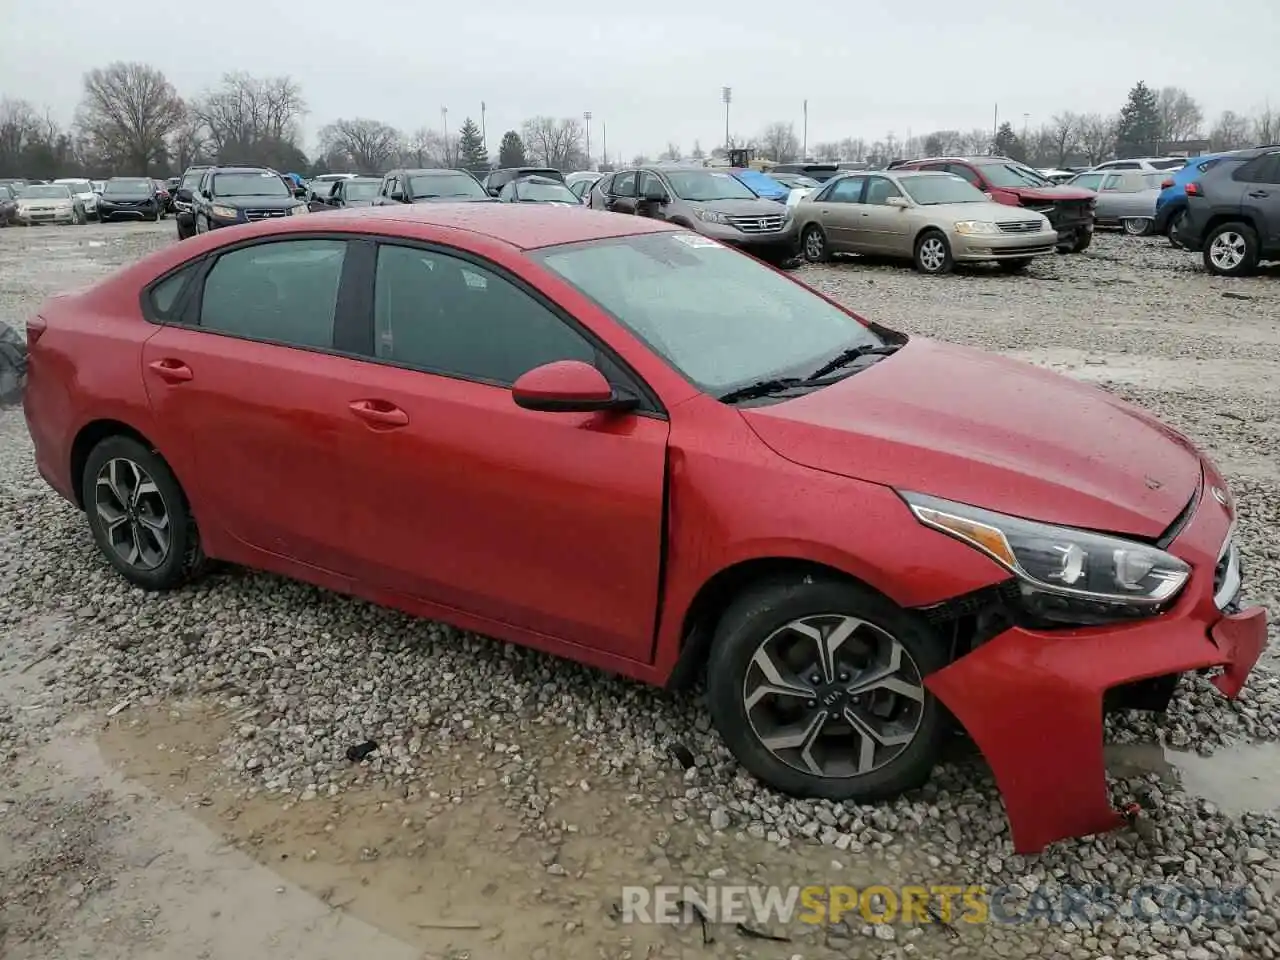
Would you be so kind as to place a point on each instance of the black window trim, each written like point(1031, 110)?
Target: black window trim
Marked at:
point(650, 404)
point(348, 328)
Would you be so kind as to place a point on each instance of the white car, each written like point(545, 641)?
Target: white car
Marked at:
point(1148, 164)
point(83, 191)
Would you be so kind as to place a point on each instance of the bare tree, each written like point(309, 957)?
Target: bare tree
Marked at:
point(639, 160)
point(1180, 115)
point(551, 142)
point(1266, 126)
point(188, 142)
point(1097, 137)
point(368, 145)
point(423, 148)
point(977, 142)
point(853, 148)
point(1064, 132)
point(127, 114)
point(1231, 132)
point(247, 117)
point(19, 126)
point(778, 141)
point(672, 152)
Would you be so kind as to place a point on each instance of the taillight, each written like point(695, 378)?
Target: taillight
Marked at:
point(1193, 189)
point(1166, 183)
point(35, 327)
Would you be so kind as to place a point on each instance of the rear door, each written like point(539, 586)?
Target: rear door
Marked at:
point(552, 522)
point(253, 383)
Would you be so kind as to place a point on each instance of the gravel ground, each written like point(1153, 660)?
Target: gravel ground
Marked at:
point(258, 686)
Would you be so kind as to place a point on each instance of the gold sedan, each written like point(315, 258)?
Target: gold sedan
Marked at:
point(934, 219)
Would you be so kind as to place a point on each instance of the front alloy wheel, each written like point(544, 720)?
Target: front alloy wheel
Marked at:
point(818, 689)
point(814, 245)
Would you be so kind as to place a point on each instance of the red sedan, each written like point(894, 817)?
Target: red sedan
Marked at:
point(623, 443)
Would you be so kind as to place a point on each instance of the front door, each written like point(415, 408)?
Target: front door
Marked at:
point(552, 522)
point(885, 229)
point(839, 210)
point(622, 194)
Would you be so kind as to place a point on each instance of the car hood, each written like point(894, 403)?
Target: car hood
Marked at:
point(994, 212)
point(989, 431)
point(741, 208)
point(456, 200)
point(1050, 194)
point(257, 203)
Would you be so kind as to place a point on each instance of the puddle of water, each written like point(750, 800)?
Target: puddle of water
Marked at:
point(1239, 779)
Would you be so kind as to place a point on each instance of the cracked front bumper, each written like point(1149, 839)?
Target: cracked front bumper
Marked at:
point(1033, 700)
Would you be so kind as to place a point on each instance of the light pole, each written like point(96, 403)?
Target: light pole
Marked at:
point(587, 117)
point(444, 125)
point(1026, 118)
point(484, 135)
point(604, 143)
point(726, 94)
point(804, 149)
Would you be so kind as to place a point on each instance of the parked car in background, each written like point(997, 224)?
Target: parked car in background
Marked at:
point(1006, 181)
point(1055, 175)
point(798, 185)
point(711, 202)
point(166, 198)
point(761, 184)
point(584, 177)
point(933, 219)
point(232, 195)
point(1233, 212)
point(821, 172)
point(98, 185)
point(130, 198)
point(1171, 205)
point(538, 189)
point(495, 180)
point(343, 193)
point(14, 181)
point(183, 197)
point(1142, 163)
point(83, 191)
point(48, 203)
point(430, 186)
point(8, 204)
point(1126, 198)
point(650, 454)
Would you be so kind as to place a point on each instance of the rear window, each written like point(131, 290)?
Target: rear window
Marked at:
point(1173, 163)
point(1154, 181)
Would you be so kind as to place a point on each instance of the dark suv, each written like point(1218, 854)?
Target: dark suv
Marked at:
point(1069, 209)
point(230, 195)
point(1233, 212)
point(430, 186)
point(497, 179)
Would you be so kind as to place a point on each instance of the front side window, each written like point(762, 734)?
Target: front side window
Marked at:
point(721, 318)
point(285, 291)
point(624, 184)
point(879, 190)
point(443, 314)
point(845, 190)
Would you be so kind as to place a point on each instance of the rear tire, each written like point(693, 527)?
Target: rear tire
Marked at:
point(933, 253)
point(1137, 226)
point(1231, 250)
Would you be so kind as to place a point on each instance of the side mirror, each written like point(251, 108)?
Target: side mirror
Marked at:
point(656, 195)
point(494, 191)
point(184, 194)
point(207, 194)
point(397, 196)
point(899, 202)
point(567, 386)
point(300, 192)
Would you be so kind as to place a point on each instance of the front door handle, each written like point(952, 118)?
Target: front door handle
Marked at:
point(175, 371)
point(1259, 194)
point(381, 413)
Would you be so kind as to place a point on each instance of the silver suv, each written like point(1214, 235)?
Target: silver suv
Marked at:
point(711, 202)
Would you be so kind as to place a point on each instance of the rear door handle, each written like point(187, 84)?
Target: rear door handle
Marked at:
point(382, 413)
point(175, 371)
point(1260, 193)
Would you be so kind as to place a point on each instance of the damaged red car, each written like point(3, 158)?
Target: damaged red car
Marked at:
point(624, 443)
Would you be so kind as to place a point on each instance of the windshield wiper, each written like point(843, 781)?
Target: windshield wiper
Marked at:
point(762, 388)
point(851, 354)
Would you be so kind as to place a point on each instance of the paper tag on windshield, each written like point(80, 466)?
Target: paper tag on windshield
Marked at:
point(695, 240)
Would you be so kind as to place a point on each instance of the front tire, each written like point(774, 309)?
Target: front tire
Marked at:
point(139, 515)
point(813, 244)
point(1231, 250)
point(933, 253)
point(817, 687)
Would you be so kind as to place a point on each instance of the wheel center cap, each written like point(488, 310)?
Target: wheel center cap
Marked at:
point(832, 697)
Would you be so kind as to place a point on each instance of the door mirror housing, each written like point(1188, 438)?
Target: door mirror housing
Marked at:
point(656, 195)
point(184, 194)
point(300, 192)
point(494, 191)
point(899, 202)
point(568, 386)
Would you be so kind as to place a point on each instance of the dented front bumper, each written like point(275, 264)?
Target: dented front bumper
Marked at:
point(1033, 700)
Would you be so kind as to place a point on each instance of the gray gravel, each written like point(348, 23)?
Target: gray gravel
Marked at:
point(311, 673)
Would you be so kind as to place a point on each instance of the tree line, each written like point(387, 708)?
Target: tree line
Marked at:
point(131, 120)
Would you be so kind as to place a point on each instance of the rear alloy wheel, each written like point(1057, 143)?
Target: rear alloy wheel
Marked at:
point(1231, 250)
point(814, 244)
point(818, 689)
point(139, 515)
point(1137, 226)
point(933, 253)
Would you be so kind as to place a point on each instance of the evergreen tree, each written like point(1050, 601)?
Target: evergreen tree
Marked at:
point(1008, 144)
point(472, 154)
point(511, 151)
point(1138, 129)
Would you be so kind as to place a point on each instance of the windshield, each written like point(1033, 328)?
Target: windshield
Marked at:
point(942, 189)
point(544, 191)
point(191, 179)
point(721, 318)
point(703, 185)
point(264, 184)
point(362, 189)
point(127, 188)
point(78, 186)
point(52, 191)
point(1013, 175)
point(429, 186)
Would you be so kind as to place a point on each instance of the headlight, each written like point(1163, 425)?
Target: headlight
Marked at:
point(225, 213)
point(1067, 575)
point(712, 216)
point(976, 228)
point(300, 208)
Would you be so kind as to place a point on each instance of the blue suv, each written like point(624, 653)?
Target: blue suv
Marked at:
point(1171, 205)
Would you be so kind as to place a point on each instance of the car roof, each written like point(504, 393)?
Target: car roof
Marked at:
point(244, 170)
point(417, 170)
point(538, 178)
point(525, 226)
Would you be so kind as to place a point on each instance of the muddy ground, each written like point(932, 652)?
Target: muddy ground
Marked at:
point(131, 829)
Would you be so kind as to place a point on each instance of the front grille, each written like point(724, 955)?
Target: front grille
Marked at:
point(264, 214)
point(770, 223)
point(1020, 226)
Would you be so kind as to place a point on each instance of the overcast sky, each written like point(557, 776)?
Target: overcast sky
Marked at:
point(653, 71)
